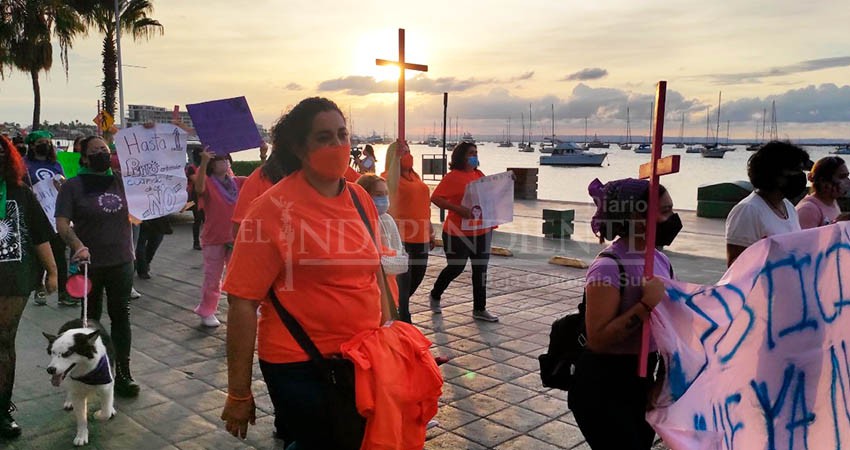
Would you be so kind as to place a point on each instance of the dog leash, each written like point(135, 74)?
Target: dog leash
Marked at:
point(86, 295)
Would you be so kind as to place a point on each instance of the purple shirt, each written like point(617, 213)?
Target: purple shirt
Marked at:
point(605, 270)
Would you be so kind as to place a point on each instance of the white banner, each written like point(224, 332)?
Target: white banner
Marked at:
point(45, 191)
point(491, 200)
point(762, 359)
point(152, 166)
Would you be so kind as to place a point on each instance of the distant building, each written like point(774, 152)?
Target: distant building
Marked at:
point(140, 114)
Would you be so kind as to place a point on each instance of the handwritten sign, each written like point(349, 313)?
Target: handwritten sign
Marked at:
point(491, 200)
point(762, 359)
point(45, 191)
point(226, 126)
point(152, 168)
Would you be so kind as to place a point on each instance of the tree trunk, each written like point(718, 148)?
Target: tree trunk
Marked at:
point(110, 69)
point(36, 104)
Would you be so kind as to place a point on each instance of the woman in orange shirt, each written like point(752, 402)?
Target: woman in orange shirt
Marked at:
point(460, 244)
point(305, 239)
point(410, 206)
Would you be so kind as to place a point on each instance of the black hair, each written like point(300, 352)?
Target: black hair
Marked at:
point(291, 131)
point(619, 214)
point(368, 150)
point(218, 158)
point(459, 155)
point(84, 144)
point(51, 157)
point(77, 141)
point(766, 166)
point(824, 170)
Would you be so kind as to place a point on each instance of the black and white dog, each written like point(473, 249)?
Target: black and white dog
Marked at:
point(84, 356)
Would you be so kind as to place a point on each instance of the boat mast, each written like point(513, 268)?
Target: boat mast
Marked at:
point(628, 128)
point(522, 119)
point(763, 123)
point(707, 120)
point(717, 134)
point(774, 130)
point(727, 132)
point(529, 124)
point(553, 124)
point(682, 131)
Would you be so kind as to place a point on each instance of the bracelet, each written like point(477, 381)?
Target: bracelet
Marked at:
point(240, 399)
point(645, 305)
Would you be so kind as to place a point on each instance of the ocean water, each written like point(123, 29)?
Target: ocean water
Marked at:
point(570, 183)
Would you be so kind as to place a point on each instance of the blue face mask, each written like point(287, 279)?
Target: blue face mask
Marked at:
point(382, 202)
point(473, 162)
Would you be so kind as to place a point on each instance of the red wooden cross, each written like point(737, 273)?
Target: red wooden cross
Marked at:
point(654, 170)
point(402, 65)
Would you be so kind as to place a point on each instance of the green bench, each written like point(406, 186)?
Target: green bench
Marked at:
point(558, 224)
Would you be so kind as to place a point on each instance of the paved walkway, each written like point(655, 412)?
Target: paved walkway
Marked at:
point(492, 397)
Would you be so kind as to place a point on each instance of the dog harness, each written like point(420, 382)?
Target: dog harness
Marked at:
point(100, 375)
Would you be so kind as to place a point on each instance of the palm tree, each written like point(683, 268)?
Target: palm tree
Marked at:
point(100, 14)
point(26, 30)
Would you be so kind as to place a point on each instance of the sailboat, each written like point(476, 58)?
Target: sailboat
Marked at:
point(647, 148)
point(506, 140)
point(548, 143)
point(715, 151)
point(681, 143)
point(628, 144)
point(698, 148)
point(524, 146)
point(570, 153)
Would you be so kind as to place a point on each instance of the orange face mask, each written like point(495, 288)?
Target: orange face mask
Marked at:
point(329, 162)
point(406, 161)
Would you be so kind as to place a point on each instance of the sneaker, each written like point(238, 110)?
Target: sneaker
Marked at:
point(145, 275)
point(40, 300)
point(485, 316)
point(210, 321)
point(435, 305)
point(433, 423)
point(196, 246)
point(67, 300)
point(9, 429)
point(134, 294)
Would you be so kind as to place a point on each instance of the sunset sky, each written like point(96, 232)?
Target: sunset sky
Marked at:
point(588, 58)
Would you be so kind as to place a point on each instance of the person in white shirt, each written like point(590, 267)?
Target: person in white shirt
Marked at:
point(776, 172)
point(396, 264)
point(367, 164)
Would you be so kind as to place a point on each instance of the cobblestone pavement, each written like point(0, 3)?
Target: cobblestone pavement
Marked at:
point(492, 397)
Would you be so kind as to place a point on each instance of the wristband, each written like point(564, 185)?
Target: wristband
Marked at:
point(239, 399)
point(645, 305)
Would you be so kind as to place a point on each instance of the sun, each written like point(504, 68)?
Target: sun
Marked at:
point(383, 44)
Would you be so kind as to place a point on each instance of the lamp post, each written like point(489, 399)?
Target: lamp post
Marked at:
point(120, 118)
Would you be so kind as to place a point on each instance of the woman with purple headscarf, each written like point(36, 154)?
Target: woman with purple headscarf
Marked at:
point(607, 398)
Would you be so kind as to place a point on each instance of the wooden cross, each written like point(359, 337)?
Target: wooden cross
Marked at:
point(654, 170)
point(402, 65)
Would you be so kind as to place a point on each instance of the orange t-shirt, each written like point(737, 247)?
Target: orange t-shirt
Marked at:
point(411, 209)
point(452, 187)
point(351, 175)
point(316, 253)
point(253, 187)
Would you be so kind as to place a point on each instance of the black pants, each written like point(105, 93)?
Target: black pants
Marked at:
point(146, 247)
point(409, 281)
point(57, 246)
point(458, 249)
point(198, 220)
point(608, 401)
point(117, 281)
point(302, 408)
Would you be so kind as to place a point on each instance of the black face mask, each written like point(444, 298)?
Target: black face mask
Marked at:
point(795, 186)
point(43, 149)
point(99, 162)
point(666, 232)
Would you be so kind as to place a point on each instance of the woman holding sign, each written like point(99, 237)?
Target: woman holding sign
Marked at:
point(460, 244)
point(608, 398)
point(217, 191)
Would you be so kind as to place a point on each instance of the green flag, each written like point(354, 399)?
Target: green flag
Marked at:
point(70, 163)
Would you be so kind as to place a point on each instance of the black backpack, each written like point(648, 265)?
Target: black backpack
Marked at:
point(567, 341)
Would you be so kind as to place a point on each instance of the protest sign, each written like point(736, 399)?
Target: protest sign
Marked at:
point(491, 200)
point(226, 126)
point(70, 162)
point(152, 168)
point(45, 191)
point(760, 360)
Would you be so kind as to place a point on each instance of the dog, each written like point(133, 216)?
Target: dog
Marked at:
point(82, 358)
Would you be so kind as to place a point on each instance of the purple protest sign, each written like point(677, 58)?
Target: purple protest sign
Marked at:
point(226, 126)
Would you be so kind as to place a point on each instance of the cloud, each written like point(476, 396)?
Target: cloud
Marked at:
point(365, 85)
point(523, 77)
point(293, 87)
point(811, 104)
point(594, 73)
point(811, 65)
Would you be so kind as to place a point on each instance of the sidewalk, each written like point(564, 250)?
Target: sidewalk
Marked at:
point(492, 397)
